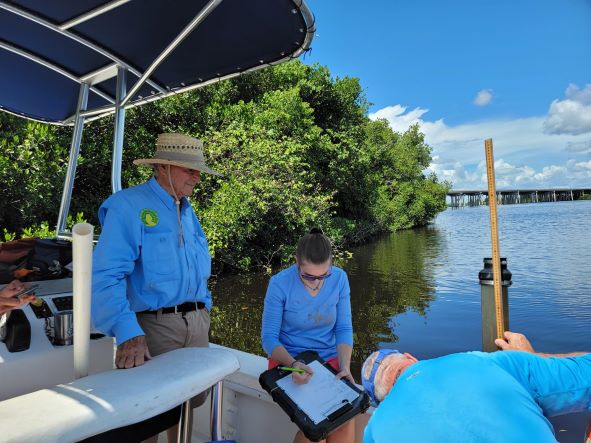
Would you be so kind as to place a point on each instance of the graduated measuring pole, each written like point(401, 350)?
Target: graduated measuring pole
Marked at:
point(495, 278)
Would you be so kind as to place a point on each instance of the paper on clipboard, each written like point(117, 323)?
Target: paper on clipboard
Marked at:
point(321, 396)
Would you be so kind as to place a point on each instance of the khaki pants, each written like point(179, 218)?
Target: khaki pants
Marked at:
point(167, 332)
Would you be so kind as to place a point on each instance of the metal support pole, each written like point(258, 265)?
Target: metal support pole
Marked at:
point(119, 129)
point(487, 302)
point(185, 423)
point(216, 411)
point(73, 160)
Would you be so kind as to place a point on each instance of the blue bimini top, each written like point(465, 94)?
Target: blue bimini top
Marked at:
point(48, 49)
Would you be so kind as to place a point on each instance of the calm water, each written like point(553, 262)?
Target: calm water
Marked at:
point(418, 290)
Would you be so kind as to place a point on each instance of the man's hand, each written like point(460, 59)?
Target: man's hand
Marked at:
point(132, 353)
point(514, 342)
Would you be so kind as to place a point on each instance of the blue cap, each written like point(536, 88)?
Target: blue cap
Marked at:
point(368, 383)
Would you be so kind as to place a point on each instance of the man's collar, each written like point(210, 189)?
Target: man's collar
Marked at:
point(164, 196)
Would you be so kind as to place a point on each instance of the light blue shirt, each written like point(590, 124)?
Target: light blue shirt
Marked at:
point(138, 264)
point(298, 321)
point(480, 398)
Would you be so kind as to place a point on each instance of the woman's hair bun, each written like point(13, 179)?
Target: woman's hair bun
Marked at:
point(316, 231)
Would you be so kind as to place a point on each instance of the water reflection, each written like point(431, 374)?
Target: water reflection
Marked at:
point(238, 310)
point(389, 277)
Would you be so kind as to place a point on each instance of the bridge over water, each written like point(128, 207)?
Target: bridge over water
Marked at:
point(473, 197)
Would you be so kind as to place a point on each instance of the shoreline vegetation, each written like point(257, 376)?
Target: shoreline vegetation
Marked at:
point(294, 145)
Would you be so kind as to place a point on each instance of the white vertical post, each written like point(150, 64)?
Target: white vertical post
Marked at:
point(82, 235)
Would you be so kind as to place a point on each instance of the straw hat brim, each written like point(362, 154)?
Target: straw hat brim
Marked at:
point(181, 164)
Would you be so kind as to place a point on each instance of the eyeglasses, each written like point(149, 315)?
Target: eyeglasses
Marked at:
point(309, 277)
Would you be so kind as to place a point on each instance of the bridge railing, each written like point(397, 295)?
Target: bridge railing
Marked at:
point(459, 198)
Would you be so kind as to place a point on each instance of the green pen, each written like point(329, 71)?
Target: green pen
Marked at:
point(287, 368)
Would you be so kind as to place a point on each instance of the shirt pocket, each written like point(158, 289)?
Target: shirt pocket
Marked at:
point(159, 253)
point(203, 257)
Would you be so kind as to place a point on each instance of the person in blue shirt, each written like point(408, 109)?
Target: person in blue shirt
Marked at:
point(152, 263)
point(474, 396)
point(308, 307)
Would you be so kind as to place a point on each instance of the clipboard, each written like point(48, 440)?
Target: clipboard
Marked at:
point(317, 430)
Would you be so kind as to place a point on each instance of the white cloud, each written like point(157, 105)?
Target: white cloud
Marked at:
point(571, 115)
point(483, 97)
point(509, 176)
point(526, 155)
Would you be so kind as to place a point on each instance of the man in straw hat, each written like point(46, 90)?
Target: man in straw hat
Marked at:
point(474, 396)
point(152, 263)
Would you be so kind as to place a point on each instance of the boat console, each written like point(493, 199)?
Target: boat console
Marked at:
point(48, 360)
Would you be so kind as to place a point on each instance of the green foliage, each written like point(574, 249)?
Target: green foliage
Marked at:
point(32, 171)
point(294, 145)
point(43, 230)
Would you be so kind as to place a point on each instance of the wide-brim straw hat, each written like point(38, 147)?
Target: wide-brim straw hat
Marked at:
point(178, 150)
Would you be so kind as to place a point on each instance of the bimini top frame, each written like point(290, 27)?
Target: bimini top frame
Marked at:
point(72, 61)
point(51, 48)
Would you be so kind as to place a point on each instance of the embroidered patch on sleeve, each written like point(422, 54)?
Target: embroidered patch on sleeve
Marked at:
point(149, 217)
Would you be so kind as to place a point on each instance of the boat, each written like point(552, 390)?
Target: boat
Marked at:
point(74, 62)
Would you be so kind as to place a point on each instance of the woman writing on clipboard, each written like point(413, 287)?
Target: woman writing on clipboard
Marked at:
point(307, 307)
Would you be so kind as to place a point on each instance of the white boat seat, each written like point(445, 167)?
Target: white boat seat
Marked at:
point(100, 402)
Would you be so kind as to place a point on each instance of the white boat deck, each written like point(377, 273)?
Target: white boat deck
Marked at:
point(97, 403)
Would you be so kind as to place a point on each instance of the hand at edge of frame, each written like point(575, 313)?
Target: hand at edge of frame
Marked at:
point(514, 341)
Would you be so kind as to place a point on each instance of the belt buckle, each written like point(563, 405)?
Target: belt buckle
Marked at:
point(176, 309)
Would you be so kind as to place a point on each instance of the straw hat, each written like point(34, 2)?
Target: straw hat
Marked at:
point(178, 150)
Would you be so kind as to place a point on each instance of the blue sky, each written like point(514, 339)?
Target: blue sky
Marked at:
point(518, 71)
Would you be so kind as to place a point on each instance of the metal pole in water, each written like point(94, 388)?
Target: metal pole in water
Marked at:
point(494, 236)
point(487, 302)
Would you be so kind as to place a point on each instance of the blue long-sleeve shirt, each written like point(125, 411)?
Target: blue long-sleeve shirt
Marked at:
point(138, 264)
point(479, 397)
point(298, 321)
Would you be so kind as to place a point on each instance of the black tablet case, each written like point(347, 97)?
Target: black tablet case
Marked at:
point(312, 431)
